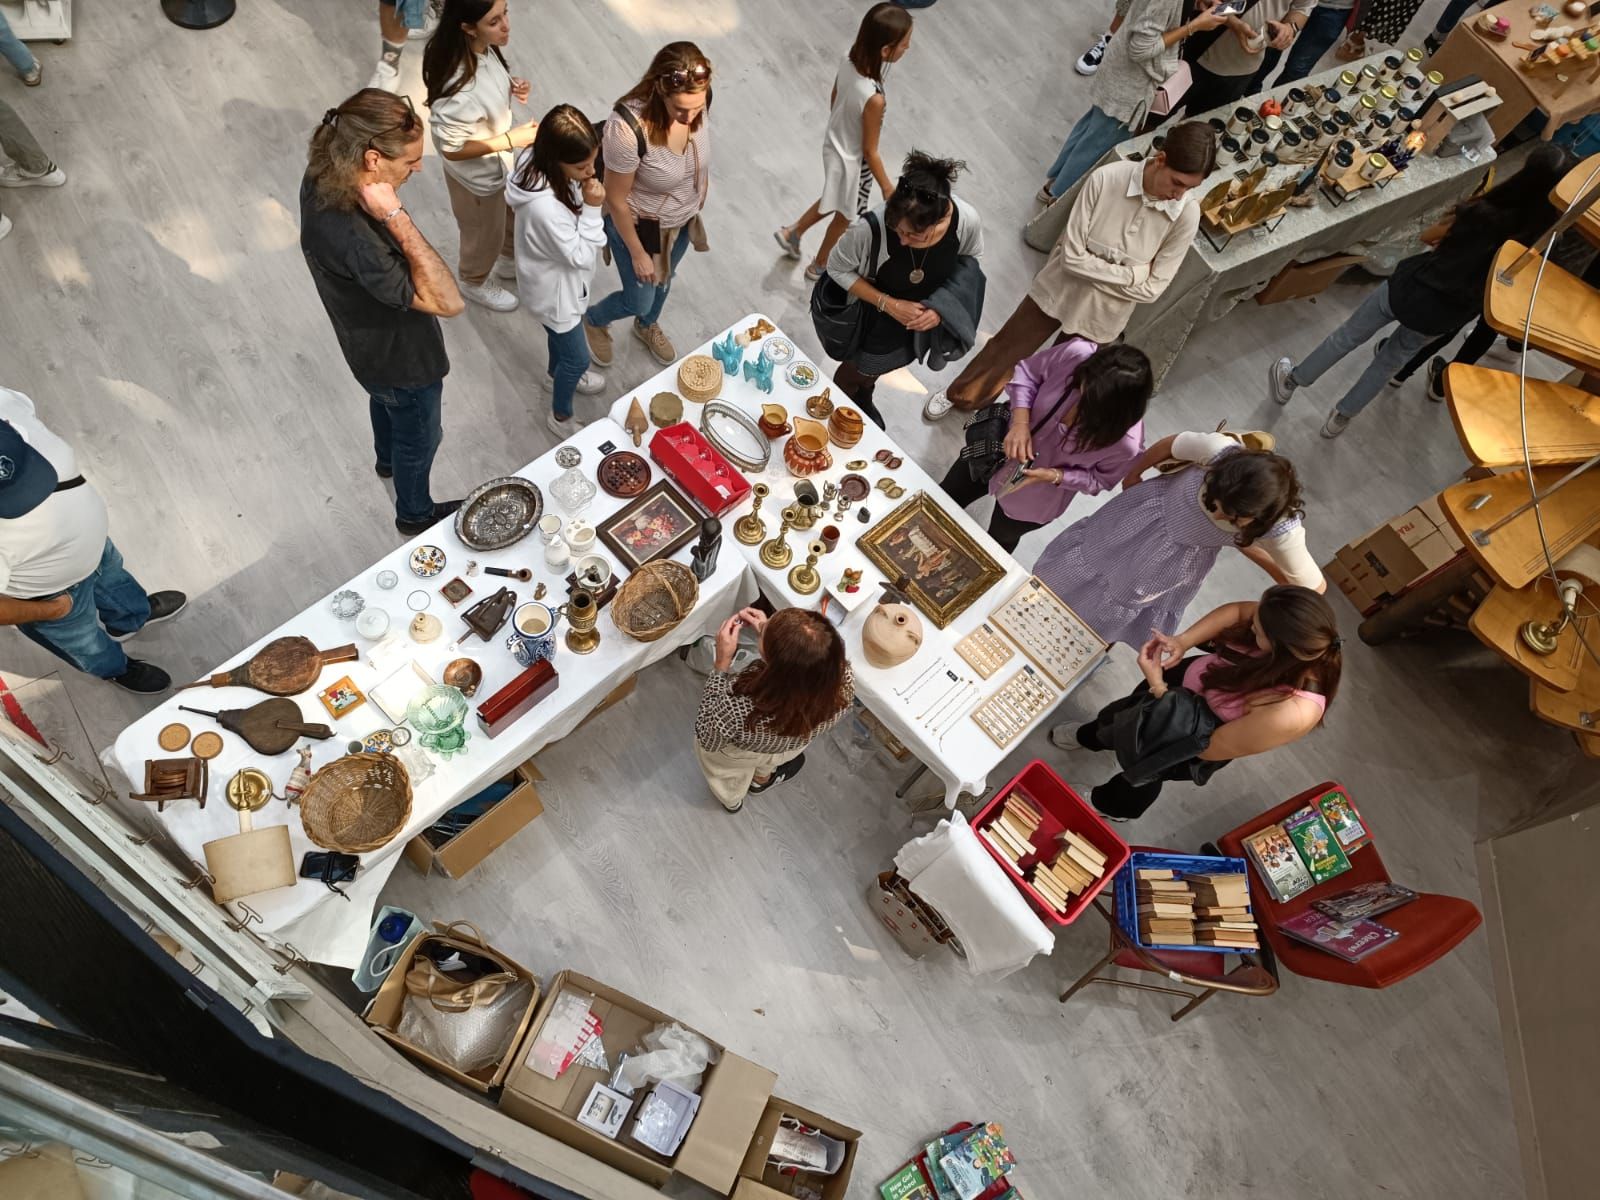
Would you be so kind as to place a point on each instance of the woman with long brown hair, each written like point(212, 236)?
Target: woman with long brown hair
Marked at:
point(1272, 671)
point(753, 727)
point(657, 153)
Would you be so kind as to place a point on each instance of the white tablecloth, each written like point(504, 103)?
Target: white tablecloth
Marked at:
point(292, 914)
point(963, 756)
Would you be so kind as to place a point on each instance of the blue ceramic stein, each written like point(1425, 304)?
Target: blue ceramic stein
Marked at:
point(533, 633)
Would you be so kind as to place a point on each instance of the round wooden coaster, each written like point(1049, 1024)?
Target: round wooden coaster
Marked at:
point(206, 745)
point(173, 737)
point(700, 378)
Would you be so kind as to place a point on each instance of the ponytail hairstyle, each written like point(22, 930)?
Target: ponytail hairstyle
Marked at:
point(922, 196)
point(1306, 650)
point(799, 682)
point(1114, 386)
point(448, 63)
point(372, 119)
point(677, 67)
point(1256, 489)
point(565, 136)
point(885, 25)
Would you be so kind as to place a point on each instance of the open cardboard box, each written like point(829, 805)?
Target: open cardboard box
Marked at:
point(732, 1095)
point(384, 1011)
point(484, 836)
point(758, 1181)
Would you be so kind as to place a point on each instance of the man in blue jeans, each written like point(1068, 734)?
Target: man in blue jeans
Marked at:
point(1322, 30)
point(383, 286)
point(62, 582)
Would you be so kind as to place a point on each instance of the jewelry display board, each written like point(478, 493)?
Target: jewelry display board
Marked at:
point(985, 650)
point(1048, 632)
point(1021, 701)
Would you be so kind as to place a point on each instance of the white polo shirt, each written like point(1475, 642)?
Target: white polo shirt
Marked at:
point(59, 543)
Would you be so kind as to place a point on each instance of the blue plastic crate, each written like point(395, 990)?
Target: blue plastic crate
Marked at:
point(1183, 864)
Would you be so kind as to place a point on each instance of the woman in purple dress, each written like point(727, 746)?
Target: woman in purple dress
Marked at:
point(1131, 567)
point(1077, 424)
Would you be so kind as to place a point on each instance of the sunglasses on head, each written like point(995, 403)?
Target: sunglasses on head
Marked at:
point(407, 123)
point(917, 191)
point(680, 79)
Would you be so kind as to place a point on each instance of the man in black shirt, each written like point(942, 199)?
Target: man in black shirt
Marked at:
point(383, 285)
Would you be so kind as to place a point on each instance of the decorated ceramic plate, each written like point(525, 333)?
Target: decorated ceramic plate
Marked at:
point(801, 375)
point(427, 561)
point(778, 349)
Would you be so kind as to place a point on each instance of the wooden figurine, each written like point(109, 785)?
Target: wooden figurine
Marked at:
point(703, 558)
point(637, 423)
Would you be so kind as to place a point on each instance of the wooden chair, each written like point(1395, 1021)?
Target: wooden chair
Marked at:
point(1566, 316)
point(1193, 968)
point(1570, 188)
point(1563, 422)
point(1515, 553)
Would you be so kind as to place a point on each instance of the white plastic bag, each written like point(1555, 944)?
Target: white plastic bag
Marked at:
point(702, 652)
point(672, 1053)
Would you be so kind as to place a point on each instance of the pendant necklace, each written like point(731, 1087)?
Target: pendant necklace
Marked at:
point(916, 270)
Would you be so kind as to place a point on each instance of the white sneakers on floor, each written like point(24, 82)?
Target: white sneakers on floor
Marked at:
point(490, 295)
point(1280, 381)
point(1089, 62)
point(592, 384)
point(13, 176)
point(505, 268)
point(385, 78)
point(562, 429)
point(430, 22)
point(936, 406)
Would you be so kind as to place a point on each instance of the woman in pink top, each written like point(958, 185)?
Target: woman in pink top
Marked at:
point(1076, 426)
point(1271, 673)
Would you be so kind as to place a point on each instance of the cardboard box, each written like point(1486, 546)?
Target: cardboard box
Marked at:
point(1338, 576)
point(1298, 280)
point(758, 1181)
point(1398, 564)
point(615, 696)
point(384, 1012)
point(900, 915)
point(1412, 525)
point(484, 836)
point(732, 1096)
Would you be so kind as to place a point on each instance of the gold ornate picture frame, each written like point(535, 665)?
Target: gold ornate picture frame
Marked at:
point(946, 570)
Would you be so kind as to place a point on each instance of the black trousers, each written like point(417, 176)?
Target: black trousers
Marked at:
point(859, 386)
point(1474, 347)
point(1210, 90)
point(1119, 796)
point(959, 485)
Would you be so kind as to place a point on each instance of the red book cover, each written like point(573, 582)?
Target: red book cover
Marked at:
point(1350, 941)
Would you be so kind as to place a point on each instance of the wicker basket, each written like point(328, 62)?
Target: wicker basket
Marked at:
point(654, 599)
point(357, 803)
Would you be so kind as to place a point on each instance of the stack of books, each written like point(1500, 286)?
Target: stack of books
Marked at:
point(1076, 868)
point(1011, 833)
point(1199, 909)
point(958, 1166)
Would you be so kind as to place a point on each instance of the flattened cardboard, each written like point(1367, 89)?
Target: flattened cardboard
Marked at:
point(731, 1098)
point(758, 1182)
point(484, 836)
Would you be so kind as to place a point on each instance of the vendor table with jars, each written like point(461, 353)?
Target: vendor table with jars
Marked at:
point(1379, 224)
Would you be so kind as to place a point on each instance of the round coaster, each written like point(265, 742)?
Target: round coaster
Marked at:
point(206, 745)
point(666, 408)
point(173, 737)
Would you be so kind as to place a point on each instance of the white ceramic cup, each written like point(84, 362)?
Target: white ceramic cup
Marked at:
point(549, 528)
point(580, 537)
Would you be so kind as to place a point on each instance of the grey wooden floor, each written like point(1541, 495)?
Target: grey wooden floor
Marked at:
point(158, 310)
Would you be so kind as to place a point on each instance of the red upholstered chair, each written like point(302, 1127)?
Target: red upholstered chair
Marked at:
point(1430, 926)
point(1202, 969)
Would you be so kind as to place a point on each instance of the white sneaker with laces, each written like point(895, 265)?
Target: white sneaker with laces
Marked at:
point(430, 22)
point(936, 406)
point(5, 226)
point(562, 429)
point(385, 78)
point(592, 383)
point(1091, 59)
point(505, 268)
point(1280, 381)
point(1336, 424)
point(491, 295)
point(13, 176)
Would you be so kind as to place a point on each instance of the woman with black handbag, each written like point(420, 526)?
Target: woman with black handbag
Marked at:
point(1074, 424)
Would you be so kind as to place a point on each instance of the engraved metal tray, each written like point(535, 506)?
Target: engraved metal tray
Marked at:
point(735, 435)
point(499, 513)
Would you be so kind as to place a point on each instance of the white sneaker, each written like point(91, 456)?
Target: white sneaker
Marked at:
point(385, 78)
point(562, 429)
point(490, 295)
point(592, 383)
point(13, 176)
point(1336, 424)
point(1091, 59)
point(1280, 381)
point(5, 226)
point(936, 406)
point(505, 268)
point(430, 22)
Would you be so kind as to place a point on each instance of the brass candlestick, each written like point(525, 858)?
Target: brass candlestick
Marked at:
point(750, 528)
point(776, 553)
point(582, 613)
point(805, 578)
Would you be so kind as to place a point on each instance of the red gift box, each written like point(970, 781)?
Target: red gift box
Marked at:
point(696, 467)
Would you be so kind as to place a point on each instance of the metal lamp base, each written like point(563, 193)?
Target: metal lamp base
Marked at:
point(198, 14)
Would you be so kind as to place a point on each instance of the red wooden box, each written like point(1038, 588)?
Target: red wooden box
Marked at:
point(697, 467)
point(1060, 808)
point(498, 712)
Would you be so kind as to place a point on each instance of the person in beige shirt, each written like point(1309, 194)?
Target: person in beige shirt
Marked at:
point(1226, 70)
point(1131, 225)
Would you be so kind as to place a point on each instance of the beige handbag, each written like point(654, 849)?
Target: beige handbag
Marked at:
point(1250, 439)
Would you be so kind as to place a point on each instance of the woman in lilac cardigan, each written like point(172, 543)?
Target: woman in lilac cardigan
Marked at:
point(1077, 424)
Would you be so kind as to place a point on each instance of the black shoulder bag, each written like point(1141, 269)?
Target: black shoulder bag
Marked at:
point(836, 315)
point(985, 451)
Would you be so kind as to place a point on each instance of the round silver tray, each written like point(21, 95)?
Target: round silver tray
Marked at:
point(499, 513)
point(735, 435)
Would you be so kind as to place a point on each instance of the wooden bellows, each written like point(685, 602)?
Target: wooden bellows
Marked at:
point(284, 667)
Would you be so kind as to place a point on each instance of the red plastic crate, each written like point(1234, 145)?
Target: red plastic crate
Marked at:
point(696, 466)
point(1060, 808)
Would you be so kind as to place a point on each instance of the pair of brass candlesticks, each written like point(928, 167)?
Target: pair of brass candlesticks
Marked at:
point(775, 553)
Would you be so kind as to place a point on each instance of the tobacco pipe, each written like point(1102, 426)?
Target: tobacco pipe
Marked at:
point(521, 574)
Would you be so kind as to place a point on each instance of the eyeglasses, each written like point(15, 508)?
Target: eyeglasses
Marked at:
point(680, 79)
point(407, 124)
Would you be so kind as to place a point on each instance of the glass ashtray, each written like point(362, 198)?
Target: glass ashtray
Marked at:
point(347, 604)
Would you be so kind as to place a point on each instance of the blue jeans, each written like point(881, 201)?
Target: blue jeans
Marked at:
point(569, 359)
point(109, 596)
point(12, 49)
point(1452, 14)
point(1373, 314)
point(1322, 30)
point(1091, 137)
point(406, 432)
point(642, 301)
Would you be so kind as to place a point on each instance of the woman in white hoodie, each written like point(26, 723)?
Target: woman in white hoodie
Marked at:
point(555, 199)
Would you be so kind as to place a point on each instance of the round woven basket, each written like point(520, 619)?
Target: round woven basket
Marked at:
point(700, 378)
point(654, 599)
point(356, 803)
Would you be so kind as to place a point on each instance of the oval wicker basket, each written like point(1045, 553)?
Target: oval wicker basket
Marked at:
point(654, 599)
point(357, 803)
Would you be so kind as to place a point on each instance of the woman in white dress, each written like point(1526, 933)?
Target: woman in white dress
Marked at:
point(850, 158)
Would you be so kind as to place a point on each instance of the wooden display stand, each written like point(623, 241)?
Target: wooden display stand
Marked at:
point(1448, 108)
